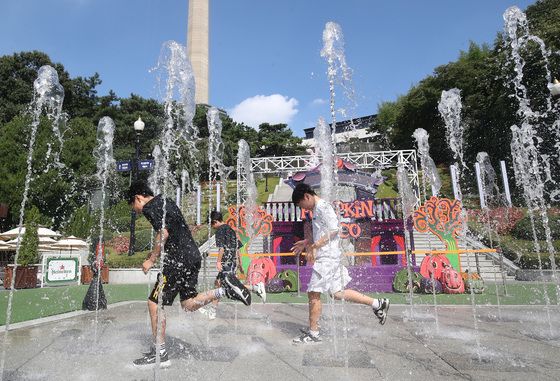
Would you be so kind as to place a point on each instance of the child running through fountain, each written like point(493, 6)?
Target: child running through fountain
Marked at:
point(329, 274)
point(179, 274)
point(228, 260)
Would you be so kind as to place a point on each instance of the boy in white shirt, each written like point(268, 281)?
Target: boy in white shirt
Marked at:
point(329, 274)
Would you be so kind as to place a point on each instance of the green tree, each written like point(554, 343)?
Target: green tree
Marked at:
point(277, 140)
point(29, 250)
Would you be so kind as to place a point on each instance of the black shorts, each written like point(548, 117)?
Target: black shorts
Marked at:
point(172, 283)
point(226, 269)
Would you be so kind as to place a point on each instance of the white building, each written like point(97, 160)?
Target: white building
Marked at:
point(349, 129)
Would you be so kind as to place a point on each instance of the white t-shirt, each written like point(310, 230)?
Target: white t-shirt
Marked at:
point(325, 222)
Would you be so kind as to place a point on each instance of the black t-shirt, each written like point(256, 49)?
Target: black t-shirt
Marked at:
point(227, 239)
point(180, 248)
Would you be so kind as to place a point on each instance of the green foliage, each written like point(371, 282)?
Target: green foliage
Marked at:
point(80, 223)
point(118, 216)
point(116, 261)
point(277, 140)
point(523, 229)
point(143, 240)
point(531, 261)
point(484, 76)
point(29, 249)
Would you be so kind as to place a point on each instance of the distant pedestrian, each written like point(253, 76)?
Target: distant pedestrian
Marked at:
point(229, 260)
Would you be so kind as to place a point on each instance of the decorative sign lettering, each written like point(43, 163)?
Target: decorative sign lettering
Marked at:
point(62, 270)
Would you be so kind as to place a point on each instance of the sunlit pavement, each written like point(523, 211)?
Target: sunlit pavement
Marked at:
point(254, 343)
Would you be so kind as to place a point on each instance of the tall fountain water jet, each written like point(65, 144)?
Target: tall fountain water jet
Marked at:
point(179, 134)
point(103, 153)
point(338, 72)
point(216, 169)
point(249, 199)
point(326, 155)
point(408, 201)
point(431, 176)
point(488, 195)
point(527, 175)
point(48, 96)
point(450, 107)
point(429, 168)
point(245, 174)
point(530, 165)
point(517, 36)
point(325, 151)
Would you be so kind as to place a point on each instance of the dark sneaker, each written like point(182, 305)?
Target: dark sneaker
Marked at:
point(235, 290)
point(307, 338)
point(149, 360)
point(382, 311)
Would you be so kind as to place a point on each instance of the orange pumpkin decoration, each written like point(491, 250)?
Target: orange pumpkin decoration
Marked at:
point(433, 264)
point(261, 270)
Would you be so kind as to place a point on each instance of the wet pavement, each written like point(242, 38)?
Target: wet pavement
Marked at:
point(254, 343)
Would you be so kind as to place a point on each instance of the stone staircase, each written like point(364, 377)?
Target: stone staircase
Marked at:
point(211, 271)
point(488, 263)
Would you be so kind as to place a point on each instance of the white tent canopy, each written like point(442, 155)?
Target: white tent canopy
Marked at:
point(42, 232)
point(70, 242)
point(42, 241)
point(6, 247)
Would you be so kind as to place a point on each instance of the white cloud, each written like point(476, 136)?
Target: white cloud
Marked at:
point(259, 109)
point(318, 102)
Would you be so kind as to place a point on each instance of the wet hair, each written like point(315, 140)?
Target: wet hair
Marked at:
point(216, 216)
point(138, 188)
point(299, 192)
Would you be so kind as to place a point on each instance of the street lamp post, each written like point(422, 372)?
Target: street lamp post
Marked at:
point(138, 128)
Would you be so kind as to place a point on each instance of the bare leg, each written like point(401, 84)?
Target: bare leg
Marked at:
point(198, 301)
point(314, 310)
point(354, 296)
point(216, 284)
point(153, 309)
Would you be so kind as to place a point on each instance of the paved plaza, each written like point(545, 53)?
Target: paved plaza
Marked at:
point(254, 343)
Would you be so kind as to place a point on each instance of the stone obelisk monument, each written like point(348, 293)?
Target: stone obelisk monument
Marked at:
point(197, 46)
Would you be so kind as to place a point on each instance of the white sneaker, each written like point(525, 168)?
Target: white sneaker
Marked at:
point(261, 291)
point(211, 312)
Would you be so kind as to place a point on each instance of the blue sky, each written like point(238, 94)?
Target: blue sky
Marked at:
point(264, 55)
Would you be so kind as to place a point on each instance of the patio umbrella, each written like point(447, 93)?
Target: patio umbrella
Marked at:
point(41, 232)
point(43, 242)
point(70, 243)
point(6, 247)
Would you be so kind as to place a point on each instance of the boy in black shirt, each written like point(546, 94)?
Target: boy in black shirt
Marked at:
point(181, 264)
point(229, 259)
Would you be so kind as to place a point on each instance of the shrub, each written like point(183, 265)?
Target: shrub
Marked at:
point(120, 244)
point(116, 261)
point(502, 219)
point(29, 250)
point(523, 229)
point(531, 261)
point(143, 238)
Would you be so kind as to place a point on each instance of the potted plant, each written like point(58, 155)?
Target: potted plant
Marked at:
point(26, 269)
